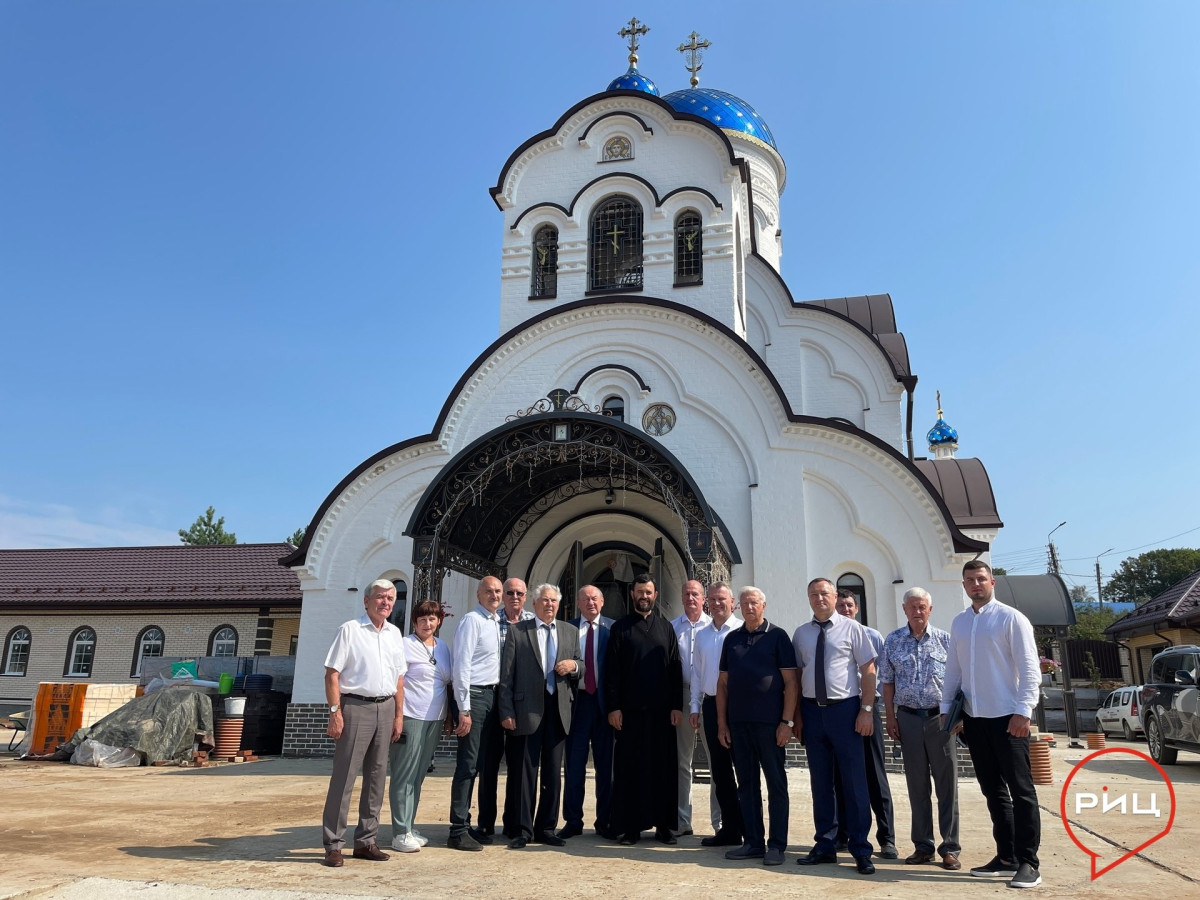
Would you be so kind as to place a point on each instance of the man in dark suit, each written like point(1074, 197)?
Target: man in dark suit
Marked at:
point(539, 669)
point(589, 721)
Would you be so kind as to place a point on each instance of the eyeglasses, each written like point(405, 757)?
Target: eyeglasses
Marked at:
point(514, 593)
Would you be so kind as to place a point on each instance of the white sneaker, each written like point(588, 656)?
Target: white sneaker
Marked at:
point(406, 843)
point(421, 839)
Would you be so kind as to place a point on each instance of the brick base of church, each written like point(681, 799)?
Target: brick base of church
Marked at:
point(304, 735)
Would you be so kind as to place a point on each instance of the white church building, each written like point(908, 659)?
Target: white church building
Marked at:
point(657, 400)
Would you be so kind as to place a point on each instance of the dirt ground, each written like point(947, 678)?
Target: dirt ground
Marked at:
point(240, 829)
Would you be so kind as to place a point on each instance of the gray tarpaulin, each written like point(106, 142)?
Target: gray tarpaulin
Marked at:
point(159, 726)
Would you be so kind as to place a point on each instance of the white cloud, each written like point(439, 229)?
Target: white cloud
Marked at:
point(39, 526)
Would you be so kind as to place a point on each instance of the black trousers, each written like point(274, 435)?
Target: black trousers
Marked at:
point(491, 752)
point(531, 802)
point(720, 764)
point(1002, 767)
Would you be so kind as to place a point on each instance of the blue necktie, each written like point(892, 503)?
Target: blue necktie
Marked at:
point(551, 653)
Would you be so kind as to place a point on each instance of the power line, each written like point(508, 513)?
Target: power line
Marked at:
point(1135, 549)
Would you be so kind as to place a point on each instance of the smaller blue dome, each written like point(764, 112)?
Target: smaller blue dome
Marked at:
point(941, 433)
point(633, 80)
point(727, 112)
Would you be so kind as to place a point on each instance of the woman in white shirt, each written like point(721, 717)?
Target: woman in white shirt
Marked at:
point(426, 692)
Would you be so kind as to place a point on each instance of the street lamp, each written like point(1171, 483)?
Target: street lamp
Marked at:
point(1099, 596)
point(1050, 549)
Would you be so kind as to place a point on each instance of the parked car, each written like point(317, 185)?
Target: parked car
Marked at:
point(1120, 712)
point(1171, 704)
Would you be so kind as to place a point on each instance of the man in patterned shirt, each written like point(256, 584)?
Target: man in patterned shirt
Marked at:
point(912, 669)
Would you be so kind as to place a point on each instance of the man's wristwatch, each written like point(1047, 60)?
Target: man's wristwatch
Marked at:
point(867, 708)
point(788, 722)
point(334, 708)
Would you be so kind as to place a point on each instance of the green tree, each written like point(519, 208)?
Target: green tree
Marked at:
point(1081, 595)
point(1146, 575)
point(297, 536)
point(997, 571)
point(205, 532)
point(1091, 620)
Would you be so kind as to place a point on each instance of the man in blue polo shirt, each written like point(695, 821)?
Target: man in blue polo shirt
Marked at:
point(756, 692)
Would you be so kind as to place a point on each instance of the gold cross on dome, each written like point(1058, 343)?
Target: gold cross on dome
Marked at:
point(632, 31)
point(693, 53)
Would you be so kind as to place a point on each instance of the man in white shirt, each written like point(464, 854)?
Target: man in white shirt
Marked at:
point(494, 747)
point(703, 704)
point(687, 626)
point(476, 675)
point(364, 687)
point(878, 790)
point(994, 661)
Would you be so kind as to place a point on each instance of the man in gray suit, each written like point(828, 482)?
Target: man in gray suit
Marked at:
point(540, 667)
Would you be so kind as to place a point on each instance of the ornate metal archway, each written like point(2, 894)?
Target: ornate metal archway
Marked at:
point(474, 515)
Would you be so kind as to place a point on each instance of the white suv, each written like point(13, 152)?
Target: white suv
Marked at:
point(1120, 712)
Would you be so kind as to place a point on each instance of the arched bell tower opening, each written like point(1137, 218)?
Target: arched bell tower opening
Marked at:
point(566, 494)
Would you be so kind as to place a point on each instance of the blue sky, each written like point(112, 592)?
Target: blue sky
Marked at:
point(246, 245)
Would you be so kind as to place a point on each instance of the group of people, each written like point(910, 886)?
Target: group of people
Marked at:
point(543, 693)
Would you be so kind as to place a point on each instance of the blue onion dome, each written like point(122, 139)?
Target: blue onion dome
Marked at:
point(633, 80)
point(941, 433)
point(727, 112)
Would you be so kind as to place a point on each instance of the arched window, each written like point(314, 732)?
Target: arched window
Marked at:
point(149, 643)
point(615, 408)
point(545, 262)
point(81, 653)
point(223, 641)
point(615, 246)
point(401, 607)
point(689, 269)
point(855, 585)
point(16, 651)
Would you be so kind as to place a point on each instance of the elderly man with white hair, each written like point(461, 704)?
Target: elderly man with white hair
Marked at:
point(912, 668)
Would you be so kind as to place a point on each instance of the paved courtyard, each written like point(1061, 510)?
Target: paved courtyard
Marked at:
point(251, 831)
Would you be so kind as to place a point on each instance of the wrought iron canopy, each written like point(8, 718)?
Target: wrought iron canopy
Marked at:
point(489, 496)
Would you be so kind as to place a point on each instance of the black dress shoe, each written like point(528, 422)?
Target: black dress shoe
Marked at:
point(629, 839)
point(517, 843)
point(814, 858)
point(606, 832)
point(864, 865)
point(483, 835)
point(549, 838)
point(570, 831)
point(664, 836)
point(746, 852)
point(843, 844)
point(889, 851)
point(721, 839)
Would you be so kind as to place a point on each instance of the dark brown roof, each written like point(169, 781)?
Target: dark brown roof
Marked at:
point(228, 575)
point(1178, 605)
point(966, 488)
point(875, 314)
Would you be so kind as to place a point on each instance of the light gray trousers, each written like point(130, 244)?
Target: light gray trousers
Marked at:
point(363, 746)
point(929, 753)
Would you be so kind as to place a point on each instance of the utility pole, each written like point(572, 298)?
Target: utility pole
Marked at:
point(1099, 595)
point(1052, 566)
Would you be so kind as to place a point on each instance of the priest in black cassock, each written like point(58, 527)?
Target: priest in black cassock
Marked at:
point(644, 685)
